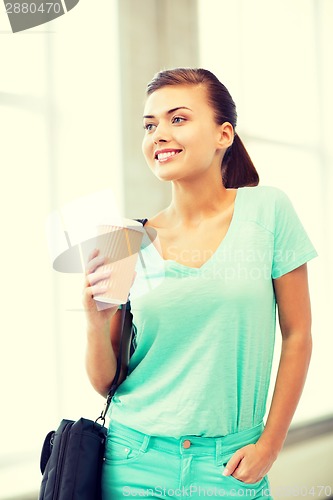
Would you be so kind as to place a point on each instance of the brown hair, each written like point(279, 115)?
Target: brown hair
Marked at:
point(237, 167)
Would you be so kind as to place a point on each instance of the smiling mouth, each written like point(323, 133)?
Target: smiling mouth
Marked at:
point(165, 155)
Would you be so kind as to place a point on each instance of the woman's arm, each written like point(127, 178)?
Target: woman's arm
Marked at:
point(101, 356)
point(292, 295)
point(103, 329)
point(252, 462)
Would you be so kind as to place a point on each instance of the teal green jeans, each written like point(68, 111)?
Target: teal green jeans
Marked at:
point(140, 465)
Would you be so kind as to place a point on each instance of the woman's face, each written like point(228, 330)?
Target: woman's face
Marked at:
point(181, 138)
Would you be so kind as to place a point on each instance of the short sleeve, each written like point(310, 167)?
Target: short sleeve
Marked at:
point(292, 246)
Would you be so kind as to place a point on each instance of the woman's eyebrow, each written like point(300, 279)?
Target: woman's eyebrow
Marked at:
point(170, 111)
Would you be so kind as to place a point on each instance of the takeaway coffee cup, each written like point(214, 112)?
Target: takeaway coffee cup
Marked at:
point(120, 244)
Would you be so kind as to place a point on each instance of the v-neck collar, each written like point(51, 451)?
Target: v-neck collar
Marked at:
point(170, 263)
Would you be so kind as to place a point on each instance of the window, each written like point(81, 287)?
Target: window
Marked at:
point(60, 139)
point(274, 58)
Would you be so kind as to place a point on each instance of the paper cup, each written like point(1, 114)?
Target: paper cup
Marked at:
point(121, 245)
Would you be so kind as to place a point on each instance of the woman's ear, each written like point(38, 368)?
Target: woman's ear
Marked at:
point(226, 135)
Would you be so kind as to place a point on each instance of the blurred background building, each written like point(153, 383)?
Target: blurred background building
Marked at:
point(71, 101)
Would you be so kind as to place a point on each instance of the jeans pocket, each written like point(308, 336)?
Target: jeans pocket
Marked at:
point(121, 450)
point(243, 485)
point(238, 482)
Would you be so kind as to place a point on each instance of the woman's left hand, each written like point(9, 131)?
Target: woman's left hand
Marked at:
point(250, 463)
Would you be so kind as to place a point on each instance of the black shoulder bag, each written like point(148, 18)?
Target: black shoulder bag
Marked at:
point(72, 456)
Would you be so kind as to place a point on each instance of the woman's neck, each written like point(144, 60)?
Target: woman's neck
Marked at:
point(198, 199)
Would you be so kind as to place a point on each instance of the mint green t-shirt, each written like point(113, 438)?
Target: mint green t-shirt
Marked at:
point(205, 336)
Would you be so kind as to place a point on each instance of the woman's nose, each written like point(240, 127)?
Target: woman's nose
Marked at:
point(160, 134)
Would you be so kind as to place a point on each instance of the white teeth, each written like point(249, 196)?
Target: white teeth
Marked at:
point(164, 156)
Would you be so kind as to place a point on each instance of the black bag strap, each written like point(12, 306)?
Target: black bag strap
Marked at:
point(125, 337)
point(114, 383)
point(143, 221)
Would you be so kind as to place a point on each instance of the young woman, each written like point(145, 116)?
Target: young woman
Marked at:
point(188, 419)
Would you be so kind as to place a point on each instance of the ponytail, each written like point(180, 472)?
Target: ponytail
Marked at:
point(237, 167)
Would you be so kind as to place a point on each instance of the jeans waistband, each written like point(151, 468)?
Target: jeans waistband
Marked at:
point(189, 444)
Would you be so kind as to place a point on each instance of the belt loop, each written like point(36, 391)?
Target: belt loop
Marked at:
point(145, 443)
point(218, 451)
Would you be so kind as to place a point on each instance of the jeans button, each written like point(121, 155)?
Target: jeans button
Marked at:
point(186, 443)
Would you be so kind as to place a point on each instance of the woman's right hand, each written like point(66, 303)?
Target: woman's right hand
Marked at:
point(96, 319)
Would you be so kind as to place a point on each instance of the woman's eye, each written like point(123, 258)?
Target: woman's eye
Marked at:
point(148, 126)
point(178, 119)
